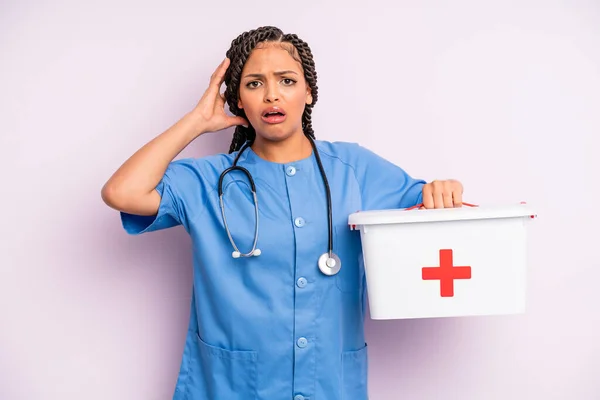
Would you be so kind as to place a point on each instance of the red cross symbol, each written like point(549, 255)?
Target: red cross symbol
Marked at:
point(446, 273)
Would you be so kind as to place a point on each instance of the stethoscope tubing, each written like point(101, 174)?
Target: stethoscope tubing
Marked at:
point(329, 262)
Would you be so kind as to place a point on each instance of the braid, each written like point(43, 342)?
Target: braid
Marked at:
point(238, 53)
point(310, 74)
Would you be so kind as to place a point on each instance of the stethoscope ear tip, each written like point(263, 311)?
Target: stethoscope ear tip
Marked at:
point(237, 254)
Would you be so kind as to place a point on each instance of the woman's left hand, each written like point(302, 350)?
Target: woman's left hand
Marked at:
point(442, 194)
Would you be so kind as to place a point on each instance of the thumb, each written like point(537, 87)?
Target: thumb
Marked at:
point(239, 121)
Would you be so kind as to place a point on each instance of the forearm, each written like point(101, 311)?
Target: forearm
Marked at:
point(140, 174)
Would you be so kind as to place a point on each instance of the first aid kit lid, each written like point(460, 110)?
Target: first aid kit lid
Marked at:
point(414, 215)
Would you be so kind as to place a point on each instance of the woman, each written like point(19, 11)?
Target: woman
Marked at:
point(273, 319)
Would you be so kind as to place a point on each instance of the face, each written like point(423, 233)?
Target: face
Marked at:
point(273, 92)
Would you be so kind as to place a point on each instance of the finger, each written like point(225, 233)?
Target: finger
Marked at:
point(219, 100)
point(239, 121)
point(457, 197)
point(218, 77)
point(447, 196)
point(438, 194)
point(438, 199)
point(234, 121)
point(215, 74)
point(427, 197)
point(222, 70)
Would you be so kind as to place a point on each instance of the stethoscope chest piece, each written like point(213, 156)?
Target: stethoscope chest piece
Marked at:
point(330, 263)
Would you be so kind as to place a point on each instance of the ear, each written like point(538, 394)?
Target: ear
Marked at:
point(309, 98)
point(239, 104)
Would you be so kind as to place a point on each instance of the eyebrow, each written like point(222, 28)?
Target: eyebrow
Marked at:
point(276, 73)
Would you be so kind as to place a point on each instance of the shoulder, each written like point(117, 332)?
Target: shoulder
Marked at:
point(196, 174)
point(349, 153)
point(205, 166)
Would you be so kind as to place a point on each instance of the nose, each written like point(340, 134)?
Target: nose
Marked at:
point(271, 94)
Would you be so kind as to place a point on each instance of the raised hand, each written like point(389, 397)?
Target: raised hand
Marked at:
point(210, 110)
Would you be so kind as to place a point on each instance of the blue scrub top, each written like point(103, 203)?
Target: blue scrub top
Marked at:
point(273, 326)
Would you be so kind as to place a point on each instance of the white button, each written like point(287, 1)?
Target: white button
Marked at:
point(302, 342)
point(299, 222)
point(290, 171)
point(301, 282)
point(299, 397)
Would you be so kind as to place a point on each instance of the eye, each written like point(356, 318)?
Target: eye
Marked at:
point(288, 81)
point(253, 84)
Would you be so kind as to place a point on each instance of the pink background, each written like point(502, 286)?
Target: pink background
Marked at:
point(504, 96)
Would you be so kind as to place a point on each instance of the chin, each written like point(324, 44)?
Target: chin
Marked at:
point(277, 134)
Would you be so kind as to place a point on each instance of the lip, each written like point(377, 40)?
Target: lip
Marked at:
point(273, 109)
point(273, 120)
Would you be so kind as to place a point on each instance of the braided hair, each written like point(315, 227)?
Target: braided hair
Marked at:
point(238, 53)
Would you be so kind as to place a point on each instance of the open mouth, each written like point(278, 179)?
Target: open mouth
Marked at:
point(274, 116)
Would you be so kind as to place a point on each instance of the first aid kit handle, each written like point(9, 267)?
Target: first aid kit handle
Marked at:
point(421, 205)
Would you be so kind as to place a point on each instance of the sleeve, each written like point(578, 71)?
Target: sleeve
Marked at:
point(181, 178)
point(383, 184)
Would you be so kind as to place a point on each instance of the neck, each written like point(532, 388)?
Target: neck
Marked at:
point(294, 148)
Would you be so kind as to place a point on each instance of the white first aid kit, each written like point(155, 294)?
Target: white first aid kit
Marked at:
point(449, 262)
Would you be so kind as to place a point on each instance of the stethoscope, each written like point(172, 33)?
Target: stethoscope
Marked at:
point(329, 263)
